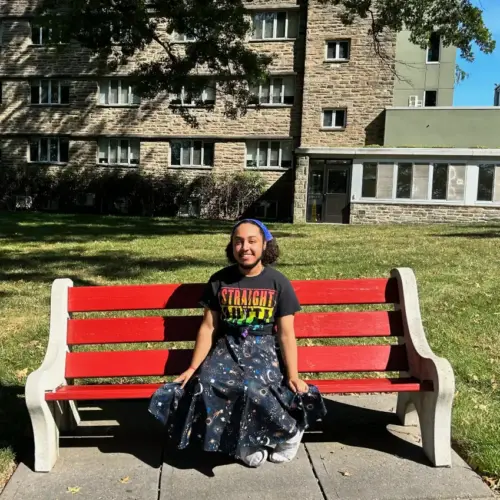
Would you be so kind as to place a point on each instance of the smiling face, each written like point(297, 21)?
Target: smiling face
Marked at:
point(248, 245)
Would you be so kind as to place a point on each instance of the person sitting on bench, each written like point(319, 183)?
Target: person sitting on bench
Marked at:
point(242, 394)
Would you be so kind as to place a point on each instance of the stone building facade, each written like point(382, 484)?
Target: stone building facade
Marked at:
point(58, 110)
point(74, 122)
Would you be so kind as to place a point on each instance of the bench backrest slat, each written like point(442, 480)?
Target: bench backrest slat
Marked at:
point(364, 358)
point(186, 296)
point(184, 328)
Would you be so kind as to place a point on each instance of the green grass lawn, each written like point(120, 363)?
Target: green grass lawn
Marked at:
point(457, 270)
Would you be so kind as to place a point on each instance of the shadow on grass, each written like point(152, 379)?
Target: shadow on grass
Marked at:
point(477, 236)
point(482, 231)
point(44, 266)
point(56, 228)
point(15, 426)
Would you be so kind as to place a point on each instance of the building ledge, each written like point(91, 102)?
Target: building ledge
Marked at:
point(454, 108)
point(373, 152)
point(434, 203)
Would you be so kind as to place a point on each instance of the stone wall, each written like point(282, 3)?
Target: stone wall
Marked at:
point(363, 85)
point(300, 191)
point(371, 213)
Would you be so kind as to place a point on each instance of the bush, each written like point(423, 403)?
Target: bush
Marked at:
point(107, 191)
point(228, 196)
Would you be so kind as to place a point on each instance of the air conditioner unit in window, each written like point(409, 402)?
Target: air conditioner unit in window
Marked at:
point(415, 102)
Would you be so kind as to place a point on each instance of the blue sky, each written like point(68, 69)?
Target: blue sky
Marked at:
point(484, 72)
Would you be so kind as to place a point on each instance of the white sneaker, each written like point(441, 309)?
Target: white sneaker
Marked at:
point(256, 458)
point(286, 452)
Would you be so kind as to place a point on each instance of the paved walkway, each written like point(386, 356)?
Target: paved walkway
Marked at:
point(360, 453)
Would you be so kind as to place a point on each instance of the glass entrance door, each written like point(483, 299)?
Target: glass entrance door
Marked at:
point(329, 191)
point(315, 195)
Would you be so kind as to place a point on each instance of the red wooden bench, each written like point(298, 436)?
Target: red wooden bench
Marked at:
point(425, 383)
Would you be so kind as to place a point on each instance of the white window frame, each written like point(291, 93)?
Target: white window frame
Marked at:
point(191, 153)
point(270, 84)
point(194, 103)
point(182, 38)
point(493, 191)
point(268, 156)
point(120, 81)
point(44, 35)
point(427, 53)
point(275, 25)
point(38, 83)
point(129, 163)
point(334, 116)
point(337, 57)
point(413, 162)
point(48, 160)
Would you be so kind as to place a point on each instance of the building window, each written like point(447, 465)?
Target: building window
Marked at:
point(275, 25)
point(49, 150)
point(433, 51)
point(269, 154)
point(430, 98)
point(369, 186)
point(191, 153)
point(117, 93)
point(486, 183)
point(439, 181)
point(334, 118)
point(206, 98)
point(338, 50)
point(404, 180)
point(180, 37)
point(119, 152)
point(277, 90)
point(50, 92)
point(46, 36)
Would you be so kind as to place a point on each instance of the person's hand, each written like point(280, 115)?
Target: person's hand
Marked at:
point(297, 385)
point(184, 377)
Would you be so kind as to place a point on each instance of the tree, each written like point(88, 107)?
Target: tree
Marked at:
point(116, 30)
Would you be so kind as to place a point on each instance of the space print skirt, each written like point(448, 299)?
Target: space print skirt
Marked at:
point(237, 401)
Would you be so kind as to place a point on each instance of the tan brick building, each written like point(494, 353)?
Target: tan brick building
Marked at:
point(327, 94)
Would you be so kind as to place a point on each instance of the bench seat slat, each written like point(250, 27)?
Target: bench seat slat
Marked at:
point(184, 328)
point(362, 358)
point(186, 296)
point(143, 391)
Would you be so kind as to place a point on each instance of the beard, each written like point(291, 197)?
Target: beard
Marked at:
point(250, 266)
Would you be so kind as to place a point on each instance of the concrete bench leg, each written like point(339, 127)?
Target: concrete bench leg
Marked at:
point(434, 414)
point(433, 407)
point(46, 435)
point(47, 418)
point(405, 409)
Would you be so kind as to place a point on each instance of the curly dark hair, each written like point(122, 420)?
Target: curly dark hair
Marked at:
point(269, 256)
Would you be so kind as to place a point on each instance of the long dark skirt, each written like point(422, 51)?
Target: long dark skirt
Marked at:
point(237, 400)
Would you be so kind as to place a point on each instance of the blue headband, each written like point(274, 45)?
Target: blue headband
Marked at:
point(267, 234)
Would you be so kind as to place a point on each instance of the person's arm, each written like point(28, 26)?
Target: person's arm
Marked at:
point(204, 341)
point(288, 344)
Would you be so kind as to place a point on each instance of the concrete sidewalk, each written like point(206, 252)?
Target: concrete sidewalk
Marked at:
point(358, 453)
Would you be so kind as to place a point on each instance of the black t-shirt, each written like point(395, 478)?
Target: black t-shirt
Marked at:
point(250, 303)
